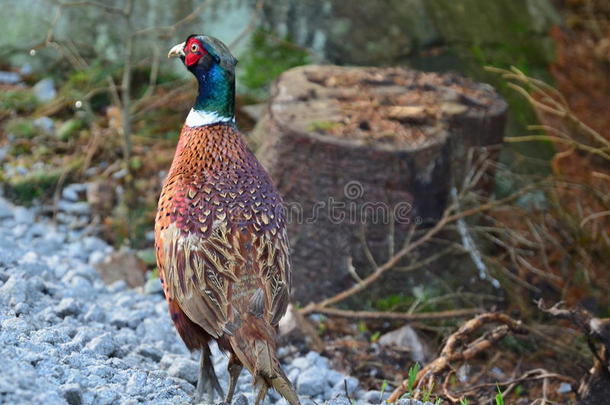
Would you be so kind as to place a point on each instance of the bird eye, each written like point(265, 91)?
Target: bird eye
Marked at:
point(194, 48)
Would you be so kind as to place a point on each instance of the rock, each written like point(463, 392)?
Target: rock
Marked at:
point(66, 307)
point(301, 363)
point(339, 32)
point(6, 209)
point(101, 196)
point(74, 208)
point(564, 388)
point(312, 382)
point(94, 314)
point(14, 290)
point(184, 368)
point(23, 215)
point(315, 359)
point(406, 338)
point(153, 286)
point(240, 399)
point(103, 345)
point(93, 244)
point(136, 382)
point(376, 397)
point(74, 192)
point(97, 257)
point(72, 394)
point(339, 400)
point(9, 77)
point(349, 384)
point(45, 124)
point(122, 265)
point(334, 377)
point(150, 351)
point(26, 69)
point(297, 330)
point(98, 344)
point(44, 90)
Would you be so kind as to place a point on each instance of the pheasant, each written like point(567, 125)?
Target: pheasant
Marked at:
point(220, 235)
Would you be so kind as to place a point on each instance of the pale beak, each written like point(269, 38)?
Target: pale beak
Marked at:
point(176, 51)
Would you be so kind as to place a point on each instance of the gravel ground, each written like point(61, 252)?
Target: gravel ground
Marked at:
point(67, 338)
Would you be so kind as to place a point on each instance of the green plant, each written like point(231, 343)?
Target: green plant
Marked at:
point(464, 401)
point(20, 101)
point(499, 397)
point(428, 393)
point(392, 301)
point(21, 128)
point(322, 126)
point(267, 58)
point(413, 371)
point(384, 386)
point(375, 336)
point(34, 185)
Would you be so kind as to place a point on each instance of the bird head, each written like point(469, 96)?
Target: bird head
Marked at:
point(214, 67)
point(201, 53)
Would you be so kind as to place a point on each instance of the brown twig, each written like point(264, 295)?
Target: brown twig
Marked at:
point(535, 374)
point(447, 218)
point(457, 349)
point(344, 313)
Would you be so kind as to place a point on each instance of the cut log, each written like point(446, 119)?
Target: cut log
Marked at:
point(359, 154)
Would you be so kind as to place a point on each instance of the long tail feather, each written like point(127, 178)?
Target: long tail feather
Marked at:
point(254, 345)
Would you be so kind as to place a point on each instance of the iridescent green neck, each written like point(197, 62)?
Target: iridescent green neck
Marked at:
point(216, 92)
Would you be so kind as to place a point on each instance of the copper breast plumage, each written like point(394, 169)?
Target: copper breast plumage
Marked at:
point(220, 235)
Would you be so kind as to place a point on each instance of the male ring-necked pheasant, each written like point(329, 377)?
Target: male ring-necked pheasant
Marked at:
point(220, 235)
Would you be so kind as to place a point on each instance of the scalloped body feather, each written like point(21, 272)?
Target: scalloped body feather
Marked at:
point(222, 251)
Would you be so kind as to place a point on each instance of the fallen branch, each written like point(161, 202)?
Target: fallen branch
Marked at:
point(535, 374)
point(344, 313)
point(447, 218)
point(457, 348)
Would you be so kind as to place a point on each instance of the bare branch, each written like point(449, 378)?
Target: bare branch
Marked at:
point(457, 347)
point(421, 316)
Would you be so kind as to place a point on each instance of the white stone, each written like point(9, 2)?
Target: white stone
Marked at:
point(44, 90)
point(405, 337)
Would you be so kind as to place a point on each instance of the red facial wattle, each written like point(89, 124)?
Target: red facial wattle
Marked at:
point(193, 51)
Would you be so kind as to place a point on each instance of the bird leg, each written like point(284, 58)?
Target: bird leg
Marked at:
point(261, 385)
point(207, 382)
point(234, 368)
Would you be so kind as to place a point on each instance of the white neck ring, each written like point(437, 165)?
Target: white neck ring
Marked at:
point(198, 118)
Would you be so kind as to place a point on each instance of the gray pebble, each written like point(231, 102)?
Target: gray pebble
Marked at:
point(339, 400)
point(376, 397)
point(83, 342)
point(240, 399)
point(66, 307)
point(6, 209)
point(103, 345)
point(347, 383)
point(301, 362)
point(23, 215)
point(312, 382)
point(72, 394)
point(95, 314)
point(186, 369)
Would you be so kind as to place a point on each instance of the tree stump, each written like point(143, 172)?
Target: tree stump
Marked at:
point(360, 154)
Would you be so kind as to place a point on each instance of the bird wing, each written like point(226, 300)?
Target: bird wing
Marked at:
point(233, 271)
